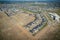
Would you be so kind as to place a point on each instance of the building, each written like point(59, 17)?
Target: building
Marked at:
point(55, 16)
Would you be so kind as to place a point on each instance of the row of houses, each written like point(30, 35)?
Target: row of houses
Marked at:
point(37, 24)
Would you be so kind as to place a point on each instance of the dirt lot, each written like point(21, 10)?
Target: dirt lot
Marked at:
point(12, 29)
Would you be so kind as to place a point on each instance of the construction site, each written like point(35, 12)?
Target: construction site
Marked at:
point(28, 22)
